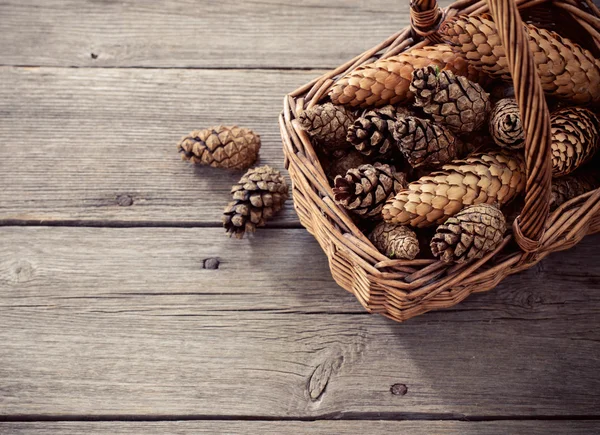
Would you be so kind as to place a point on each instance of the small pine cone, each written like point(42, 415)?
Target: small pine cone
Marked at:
point(328, 124)
point(566, 69)
point(505, 125)
point(492, 177)
point(567, 188)
point(221, 147)
point(395, 241)
point(372, 133)
point(387, 81)
point(365, 190)
point(575, 137)
point(454, 101)
point(259, 194)
point(472, 233)
point(425, 144)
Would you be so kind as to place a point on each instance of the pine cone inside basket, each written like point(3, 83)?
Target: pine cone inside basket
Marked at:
point(221, 147)
point(259, 194)
point(505, 125)
point(472, 233)
point(575, 139)
point(387, 81)
point(493, 177)
point(365, 189)
point(328, 124)
point(395, 241)
point(454, 101)
point(567, 188)
point(566, 69)
point(426, 144)
point(372, 133)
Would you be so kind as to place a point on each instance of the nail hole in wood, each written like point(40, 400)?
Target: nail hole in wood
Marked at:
point(93, 55)
point(211, 263)
point(399, 389)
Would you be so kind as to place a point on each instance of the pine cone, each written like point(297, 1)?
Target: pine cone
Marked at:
point(364, 190)
point(505, 125)
point(221, 147)
point(472, 233)
point(395, 241)
point(493, 177)
point(328, 124)
point(259, 194)
point(567, 188)
point(454, 101)
point(425, 144)
point(387, 81)
point(575, 136)
point(566, 69)
point(372, 133)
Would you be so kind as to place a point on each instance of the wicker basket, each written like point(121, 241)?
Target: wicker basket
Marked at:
point(403, 289)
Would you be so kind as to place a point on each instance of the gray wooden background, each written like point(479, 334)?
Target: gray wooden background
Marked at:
point(109, 320)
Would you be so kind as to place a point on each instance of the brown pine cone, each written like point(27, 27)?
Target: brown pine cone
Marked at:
point(505, 125)
point(425, 144)
point(365, 189)
point(328, 124)
point(259, 194)
point(472, 233)
point(221, 147)
point(493, 177)
point(566, 69)
point(567, 188)
point(454, 101)
point(387, 81)
point(372, 133)
point(575, 137)
point(395, 241)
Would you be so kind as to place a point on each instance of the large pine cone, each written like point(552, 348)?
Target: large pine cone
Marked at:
point(328, 124)
point(395, 241)
point(221, 147)
point(567, 188)
point(365, 190)
point(566, 69)
point(387, 81)
point(575, 139)
point(493, 177)
point(425, 144)
point(505, 125)
point(472, 233)
point(454, 101)
point(259, 194)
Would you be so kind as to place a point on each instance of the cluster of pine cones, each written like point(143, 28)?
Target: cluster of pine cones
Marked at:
point(260, 193)
point(415, 140)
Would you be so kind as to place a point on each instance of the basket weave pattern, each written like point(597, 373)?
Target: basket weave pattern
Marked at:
point(402, 289)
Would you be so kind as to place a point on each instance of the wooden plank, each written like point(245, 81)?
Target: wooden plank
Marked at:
point(121, 322)
point(80, 144)
point(194, 33)
point(308, 428)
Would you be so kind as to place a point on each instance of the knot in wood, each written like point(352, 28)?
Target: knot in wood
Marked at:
point(399, 389)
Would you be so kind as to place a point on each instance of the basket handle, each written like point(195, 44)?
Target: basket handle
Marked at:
point(530, 225)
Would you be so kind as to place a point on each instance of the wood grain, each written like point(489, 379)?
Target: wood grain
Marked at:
point(123, 322)
point(315, 428)
point(194, 33)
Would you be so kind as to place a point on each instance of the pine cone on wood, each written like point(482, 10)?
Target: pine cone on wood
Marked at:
point(453, 101)
point(387, 81)
point(259, 194)
point(472, 233)
point(567, 188)
point(575, 139)
point(493, 177)
point(364, 190)
point(395, 241)
point(328, 124)
point(566, 69)
point(505, 125)
point(221, 147)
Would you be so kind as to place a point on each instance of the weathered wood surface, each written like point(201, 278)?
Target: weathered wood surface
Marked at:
point(314, 427)
point(192, 33)
point(125, 322)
